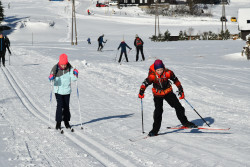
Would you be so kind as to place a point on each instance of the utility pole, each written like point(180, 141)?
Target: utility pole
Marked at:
point(73, 24)
point(157, 26)
point(223, 18)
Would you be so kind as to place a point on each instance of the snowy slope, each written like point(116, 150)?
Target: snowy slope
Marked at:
point(214, 75)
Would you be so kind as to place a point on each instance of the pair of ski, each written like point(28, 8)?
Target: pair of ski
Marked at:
point(141, 137)
point(62, 131)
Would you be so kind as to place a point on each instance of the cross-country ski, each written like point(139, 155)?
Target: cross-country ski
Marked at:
point(199, 127)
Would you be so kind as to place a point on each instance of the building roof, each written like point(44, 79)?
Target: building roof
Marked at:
point(244, 18)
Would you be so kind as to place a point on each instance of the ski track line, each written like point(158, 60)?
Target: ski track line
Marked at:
point(97, 148)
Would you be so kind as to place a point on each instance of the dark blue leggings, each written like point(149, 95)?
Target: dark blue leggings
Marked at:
point(62, 108)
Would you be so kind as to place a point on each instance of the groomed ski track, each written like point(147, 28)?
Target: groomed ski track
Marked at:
point(102, 154)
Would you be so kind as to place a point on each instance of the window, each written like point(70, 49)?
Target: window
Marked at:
point(141, 1)
point(133, 1)
point(146, 1)
point(162, 1)
point(248, 21)
point(125, 1)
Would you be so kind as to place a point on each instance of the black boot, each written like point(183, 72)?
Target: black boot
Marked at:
point(67, 125)
point(58, 125)
point(190, 125)
point(152, 133)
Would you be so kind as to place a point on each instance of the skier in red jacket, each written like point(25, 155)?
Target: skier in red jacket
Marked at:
point(159, 76)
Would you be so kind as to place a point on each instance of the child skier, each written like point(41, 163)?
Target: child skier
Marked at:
point(123, 46)
point(159, 76)
point(139, 47)
point(62, 74)
point(89, 42)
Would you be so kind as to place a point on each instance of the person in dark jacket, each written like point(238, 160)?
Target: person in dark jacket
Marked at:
point(160, 77)
point(4, 43)
point(123, 47)
point(100, 41)
point(139, 47)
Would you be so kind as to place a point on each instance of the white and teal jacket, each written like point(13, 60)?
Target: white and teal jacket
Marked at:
point(63, 78)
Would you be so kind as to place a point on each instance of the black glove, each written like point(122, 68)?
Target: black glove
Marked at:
point(180, 91)
point(142, 92)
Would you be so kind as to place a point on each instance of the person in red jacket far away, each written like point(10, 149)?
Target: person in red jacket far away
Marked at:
point(160, 77)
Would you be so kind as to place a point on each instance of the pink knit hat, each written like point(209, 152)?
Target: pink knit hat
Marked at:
point(63, 59)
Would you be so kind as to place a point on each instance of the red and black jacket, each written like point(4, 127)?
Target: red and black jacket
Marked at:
point(161, 83)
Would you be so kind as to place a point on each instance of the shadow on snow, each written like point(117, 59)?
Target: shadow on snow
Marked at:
point(12, 22)
point(105, 118)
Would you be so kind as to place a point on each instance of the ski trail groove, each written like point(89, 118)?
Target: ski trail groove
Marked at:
point(102, 154)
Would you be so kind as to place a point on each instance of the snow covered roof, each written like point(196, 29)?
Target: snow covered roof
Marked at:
point(244, 18)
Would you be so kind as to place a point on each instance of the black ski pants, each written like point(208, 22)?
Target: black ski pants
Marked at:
point(139, 48)
point(62, 108)
point(100, 47)
point(125, 53)
point(174, 102)
point(2, 57)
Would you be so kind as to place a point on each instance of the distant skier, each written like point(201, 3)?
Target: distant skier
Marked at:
point(4, 43)
point(89, 42)
point(139, 47)
point(160, 77)
point(100, 41)
point(88, 12)
point(62, 74)
point(246, 50)
point(123, 46)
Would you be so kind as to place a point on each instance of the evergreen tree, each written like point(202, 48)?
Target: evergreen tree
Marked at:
point(221, 35)
point(227, 35)
point(1, 12)
point(153, 38)
point(167, 36)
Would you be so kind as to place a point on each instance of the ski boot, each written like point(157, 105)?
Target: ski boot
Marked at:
point(152, 133)
point(190, 125)
point(58, 126)
point(67, 125)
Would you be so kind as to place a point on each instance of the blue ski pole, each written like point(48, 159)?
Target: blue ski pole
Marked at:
point(51, 90)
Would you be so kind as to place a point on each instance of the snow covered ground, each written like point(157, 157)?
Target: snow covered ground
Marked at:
point(214, 75)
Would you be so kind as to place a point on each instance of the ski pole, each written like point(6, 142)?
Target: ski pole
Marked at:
point(51, 89)
point(142, 116)
point(79, 104)
point(10, 54)
point(116, 55)
point(196, 111)
point(105, 42)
